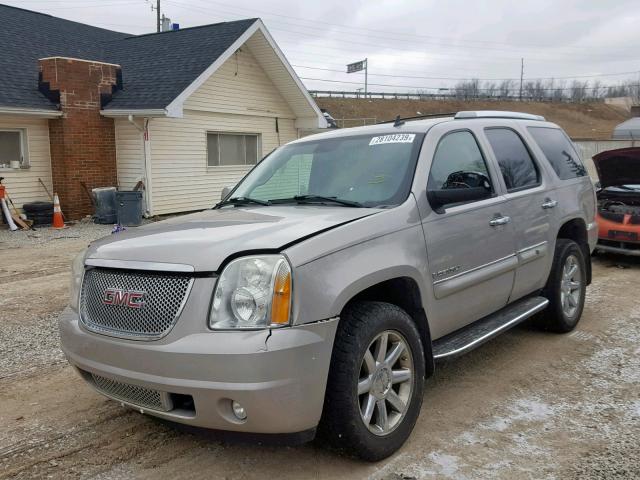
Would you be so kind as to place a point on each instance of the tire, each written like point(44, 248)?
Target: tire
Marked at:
point(361, 329)
point(565, 304)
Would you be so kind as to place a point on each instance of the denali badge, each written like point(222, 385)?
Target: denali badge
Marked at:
point(446, 271)
point(125, 298)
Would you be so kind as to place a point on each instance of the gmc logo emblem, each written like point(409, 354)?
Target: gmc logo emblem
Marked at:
point(124, 298)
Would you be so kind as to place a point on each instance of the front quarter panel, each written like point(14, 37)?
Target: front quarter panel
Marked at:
point(333, 267)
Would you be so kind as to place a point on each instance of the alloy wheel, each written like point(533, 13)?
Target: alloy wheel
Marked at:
point(571, 286)
point(385, 383)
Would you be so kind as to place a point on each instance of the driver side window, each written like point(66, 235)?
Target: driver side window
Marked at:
point(458, 164)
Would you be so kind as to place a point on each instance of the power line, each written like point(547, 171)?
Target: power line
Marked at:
point(350, 41)
point(473, 78)
point(353, 28)
point(601, 87)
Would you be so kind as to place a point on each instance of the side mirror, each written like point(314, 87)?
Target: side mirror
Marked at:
point(225, 192)
point(440, 198)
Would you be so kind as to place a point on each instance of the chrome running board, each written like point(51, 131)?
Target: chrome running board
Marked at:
point(467, 338)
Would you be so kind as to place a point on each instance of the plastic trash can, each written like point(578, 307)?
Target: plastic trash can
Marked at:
point(105, 205)
point(129, 208)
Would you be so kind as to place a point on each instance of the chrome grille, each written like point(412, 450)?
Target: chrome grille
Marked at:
point(140, 396)
point(164, 295)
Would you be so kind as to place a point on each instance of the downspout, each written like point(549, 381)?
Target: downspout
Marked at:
point(147, 169)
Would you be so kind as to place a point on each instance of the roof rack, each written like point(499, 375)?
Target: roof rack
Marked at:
point(399, 120)
point(465, 114)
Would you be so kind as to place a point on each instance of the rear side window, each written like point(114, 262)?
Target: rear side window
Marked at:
point(559, 151)
point(517, 167)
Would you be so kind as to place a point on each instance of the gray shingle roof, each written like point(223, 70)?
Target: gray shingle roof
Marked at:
point(155, 67)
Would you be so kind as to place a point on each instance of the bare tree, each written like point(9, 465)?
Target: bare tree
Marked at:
point(597, 91)
point(505, 88)
point(578, 90)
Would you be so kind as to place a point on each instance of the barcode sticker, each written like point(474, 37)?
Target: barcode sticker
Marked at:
point(395, 138)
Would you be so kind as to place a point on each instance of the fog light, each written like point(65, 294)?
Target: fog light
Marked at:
point(238, 410)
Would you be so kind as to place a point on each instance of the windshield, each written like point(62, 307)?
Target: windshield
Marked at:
point(372, 170)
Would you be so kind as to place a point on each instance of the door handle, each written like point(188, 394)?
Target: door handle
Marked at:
point(548, 203)
point(499, 221)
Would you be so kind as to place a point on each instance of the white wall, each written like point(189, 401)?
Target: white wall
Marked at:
point(240, 86)
point(129, 153)
point(238, 98)
point(589, 148)
point(22, 185)
point(181, 179)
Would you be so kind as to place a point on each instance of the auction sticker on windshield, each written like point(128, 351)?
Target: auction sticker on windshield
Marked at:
point(395, 138)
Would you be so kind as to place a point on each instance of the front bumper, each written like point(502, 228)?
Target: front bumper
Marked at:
point(622, 249)
point(278, 376)
point(615, 237)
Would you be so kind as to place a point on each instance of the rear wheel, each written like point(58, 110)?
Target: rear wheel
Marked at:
point(374, 390)
point(566, 288)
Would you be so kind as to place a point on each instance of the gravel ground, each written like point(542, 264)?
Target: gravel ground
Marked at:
point(84, 230)
point(527, 405)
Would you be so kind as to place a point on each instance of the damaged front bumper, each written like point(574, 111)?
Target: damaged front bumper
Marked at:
point(278, 376)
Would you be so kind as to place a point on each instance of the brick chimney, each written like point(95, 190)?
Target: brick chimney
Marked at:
point(82, 141)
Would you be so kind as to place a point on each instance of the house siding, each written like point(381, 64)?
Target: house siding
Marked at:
point(240, 86)
point(22, 185)
point(180, 177)
point(244, 103)
point(129, 154)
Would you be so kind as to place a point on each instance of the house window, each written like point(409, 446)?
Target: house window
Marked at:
point(225, 149)
point(13, 147)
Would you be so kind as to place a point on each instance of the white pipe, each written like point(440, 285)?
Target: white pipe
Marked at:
point(132, 122)
point(147, 172)
point(7, 215)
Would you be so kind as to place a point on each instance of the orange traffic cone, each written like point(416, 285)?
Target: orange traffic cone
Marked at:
point(58, 221)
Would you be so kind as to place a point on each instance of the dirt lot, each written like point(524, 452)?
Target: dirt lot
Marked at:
point(527, 405)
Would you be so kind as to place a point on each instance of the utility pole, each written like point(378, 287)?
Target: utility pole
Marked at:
point(158, 15)
point(521, 71)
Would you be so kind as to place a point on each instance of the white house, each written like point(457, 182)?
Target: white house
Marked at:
point(185, 112)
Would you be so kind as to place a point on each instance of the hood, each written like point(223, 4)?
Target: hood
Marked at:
point(205, 239)
point(618, 167)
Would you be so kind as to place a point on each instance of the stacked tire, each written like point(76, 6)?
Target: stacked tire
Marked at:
point(40, 212)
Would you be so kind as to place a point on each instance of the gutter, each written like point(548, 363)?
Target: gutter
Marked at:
point(154, 112)
point(33, 112)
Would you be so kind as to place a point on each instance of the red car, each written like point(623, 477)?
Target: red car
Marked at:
point(619, 201)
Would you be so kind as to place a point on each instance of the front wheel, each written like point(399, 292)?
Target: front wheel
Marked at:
point(374, 390)
point(566, 288)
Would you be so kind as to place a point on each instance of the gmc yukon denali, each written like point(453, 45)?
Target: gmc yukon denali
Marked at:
point(324, 288)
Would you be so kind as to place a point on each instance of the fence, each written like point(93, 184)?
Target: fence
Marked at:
point(589, 148)
point(355, 122)
point(440, 96)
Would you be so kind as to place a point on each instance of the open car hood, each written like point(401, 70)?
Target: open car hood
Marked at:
point(618, 167)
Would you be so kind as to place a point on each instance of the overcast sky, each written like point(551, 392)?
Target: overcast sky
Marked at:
point(410, 44)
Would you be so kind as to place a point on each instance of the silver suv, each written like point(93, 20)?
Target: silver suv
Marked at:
point(326, 286)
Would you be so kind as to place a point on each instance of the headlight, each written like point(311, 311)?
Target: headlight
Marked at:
point(252, 292)
point(77, 271)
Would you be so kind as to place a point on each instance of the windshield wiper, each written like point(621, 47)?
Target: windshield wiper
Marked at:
point(319, 199)
point(238, 201)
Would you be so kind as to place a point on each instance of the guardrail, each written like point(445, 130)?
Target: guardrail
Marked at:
point(440, 96)
point(355, 122)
